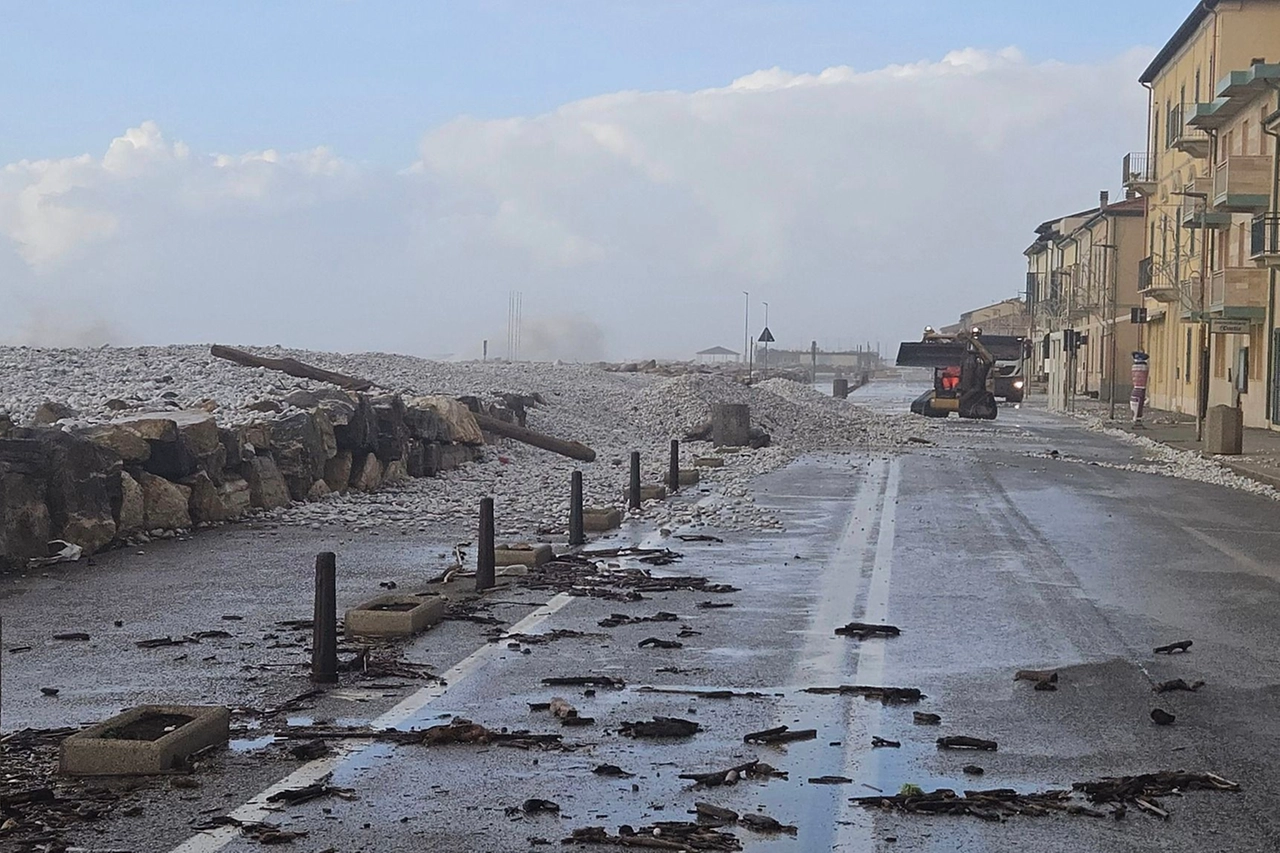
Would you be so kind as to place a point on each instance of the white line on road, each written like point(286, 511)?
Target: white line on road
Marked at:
point(258, 809)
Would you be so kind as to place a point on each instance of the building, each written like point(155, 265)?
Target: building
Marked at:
point(1188, 231)
point(1007, 317)
point(716, 355)
point(1244, 108)
point(1082, 282)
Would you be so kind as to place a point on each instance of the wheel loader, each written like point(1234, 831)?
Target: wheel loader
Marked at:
point(963, 375)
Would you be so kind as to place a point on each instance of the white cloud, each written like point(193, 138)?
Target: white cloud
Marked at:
point(860, 204)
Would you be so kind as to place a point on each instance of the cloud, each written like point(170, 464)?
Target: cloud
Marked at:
point(860, 204)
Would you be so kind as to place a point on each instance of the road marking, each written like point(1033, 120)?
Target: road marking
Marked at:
point(870, 666)
point(258, 809)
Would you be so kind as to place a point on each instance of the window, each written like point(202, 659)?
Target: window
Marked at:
point(1186, 371)
point(1197, 85)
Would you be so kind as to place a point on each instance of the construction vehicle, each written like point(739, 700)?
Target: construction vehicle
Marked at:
point(963, 371)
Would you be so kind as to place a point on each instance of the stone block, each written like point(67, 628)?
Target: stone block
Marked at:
point(394, 615)
point(131, 447)
point(1224, 431)
point(366, 473)
point(709, 462)
point(319, 491)
point(432, 459)
point(456, 455)
point(690, 476)
point(730, 424)
point(397, 471)
point(165, 505)
point(205, 504)
point(83, 489)
point(337, 471)
point(458, 423)
point(600, 519)
point(267, 488)
point(653, 493)
point(132, 516)
point(51, 412)
point(256, 435)
point(144, 741)
point(237, 499)
point(424, 422)
point(24, 516)
point(393, 433)
point(523, 554)
point(354, 425)
point(301, 445)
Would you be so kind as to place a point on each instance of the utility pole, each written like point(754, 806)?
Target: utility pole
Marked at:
point(1202, 350)
point(746, 331)
point(1109, 277)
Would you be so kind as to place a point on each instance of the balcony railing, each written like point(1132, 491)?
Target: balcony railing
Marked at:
point(1196, 212)
point(1242, 183)
point(1144, 274)
point(1238, 288)
point(1139, 171)
point(1264, 245)
point(1190, 140)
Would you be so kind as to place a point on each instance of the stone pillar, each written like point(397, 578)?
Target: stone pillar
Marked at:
point(840, 388)
point(731, 424)
point(1224, 431)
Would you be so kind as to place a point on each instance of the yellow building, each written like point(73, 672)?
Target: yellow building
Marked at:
point(1082, 281)
point(1242, 179)
point(1178, 275)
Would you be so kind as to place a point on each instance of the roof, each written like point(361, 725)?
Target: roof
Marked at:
point(716, 351)
point(1180, 37)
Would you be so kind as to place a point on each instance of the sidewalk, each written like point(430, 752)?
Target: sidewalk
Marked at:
point(1260, 460)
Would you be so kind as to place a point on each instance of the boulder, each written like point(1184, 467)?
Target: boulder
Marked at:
point(236, 498)
point(165, 505)
point(267, 486)
point(206, 503)
point(51, 412)
point(132, 516)
point(256, 434)
point(181, 441)
point(83, 489)
point(354, 424)
point(459, 424)
point(131, 447)
point(233, 444)
point(395, 472)
point(337, 471)
point(319, 491)
point(153, 426)
point(415, 458)
point(393, 433)
point(366, 473)
point(300, 399)
point(301, 445)
point(424, 422)
point(6, 424)
point(265, 406)
point(24, 516)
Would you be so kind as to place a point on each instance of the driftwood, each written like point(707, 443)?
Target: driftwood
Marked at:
point(780, 734)
point(750, 770)
point(865, 631)
point(1180, 646)
point(965, 742)
point(291, 366)
point(887, 695)
point(572, 449)
point(660, 727)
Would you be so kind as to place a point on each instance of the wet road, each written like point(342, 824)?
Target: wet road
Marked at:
point(990, 555)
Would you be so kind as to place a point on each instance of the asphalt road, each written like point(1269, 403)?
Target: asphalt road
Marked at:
point(990, 554)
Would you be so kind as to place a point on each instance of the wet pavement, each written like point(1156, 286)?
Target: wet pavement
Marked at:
point(1001, 548)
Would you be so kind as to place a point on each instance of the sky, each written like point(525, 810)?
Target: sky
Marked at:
point(349, 174)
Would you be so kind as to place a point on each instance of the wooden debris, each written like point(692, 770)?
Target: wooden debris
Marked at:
point(709, 812)
point(780, 734)
point(572, 449)
point(77, 636)
point(699, 537)
point(878, 742)
point(458, 731)
point(617, 619)
point(534, 805)
point(887, 695)
point(290, 366)
point(865, 631)
point(612, 771)
point(659, 643)
point(1161, 717)
point(830, 780)
point(1177, 684)
point(923, 718)
point(294, 796)
point(765, 824)
point(1180, 646)
point(965, 742)
point(666, 835)
point(585, 681)
point(566, 713)
point(972, 770)
point(705, 694)
point(660, 727)
point(1037, 676)
point(714, 605)
point(310, 750)
point(992, 805)
point(542, 639)
point(750, 770)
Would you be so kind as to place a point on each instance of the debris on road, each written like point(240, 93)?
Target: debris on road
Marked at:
point(666, 835)
point(1038, 677)
point(1121, 789)
point(750, 770)
point(765, 824)
point(660, 727)
point(923, 718)
point(459, 730)
point(585, 681)
point(612, 771)
point(992, 805)
point(830, 780)
point(78, 636)
point(879, 742)
point(887, 695)
point(1177, 684)
point(710, 812)
point(617, 619)
point(563, 711)
point(542, 639)
point(659, 643)
point(705, 694)
point(972, 770)
point(780, 734)
point(865, 631)
point(295, 796)
point(1161, 717)
point(310, 750)
point(965, 742)
point(699, 537)
point(1180, 646)
point(534, 805)
point(714, 605)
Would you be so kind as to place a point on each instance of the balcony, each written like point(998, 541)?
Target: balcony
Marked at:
point(1194, 211)
point(1238, 292)
point(1155, 287)
point(1140, 172)
point(1242, 184)
point(1179, 135)
point(1264, 248)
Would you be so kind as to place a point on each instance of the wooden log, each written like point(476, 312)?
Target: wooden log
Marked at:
point(291, 366)
point(572, 449)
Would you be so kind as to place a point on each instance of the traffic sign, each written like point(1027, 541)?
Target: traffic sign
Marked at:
point(766, 337)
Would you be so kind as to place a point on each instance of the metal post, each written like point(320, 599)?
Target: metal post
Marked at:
point(324, 635)
point(673, 472)
point(484, 553)
point(576, 535)
point(635, 480)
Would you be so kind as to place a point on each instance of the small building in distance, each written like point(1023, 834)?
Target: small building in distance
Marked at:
point(716, 355)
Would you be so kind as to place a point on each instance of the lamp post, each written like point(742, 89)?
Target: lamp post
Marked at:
point(765, 367)
point(1111, 371)
point(1202, 366)
point(746, 332)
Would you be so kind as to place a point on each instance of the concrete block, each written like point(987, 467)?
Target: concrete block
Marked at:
point(522, 555)
point(600, 519)
point(709, 462)
point(1224, 431)
point(653, 493)
point(690, 476)
point(142, 741)
point(731, 424)
point(394, 615)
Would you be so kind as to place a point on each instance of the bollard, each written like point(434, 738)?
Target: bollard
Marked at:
point(673, 472)
point(324, 637)
point(484, 553)
point(635, 479)
point(576, 535)
point(840, 389)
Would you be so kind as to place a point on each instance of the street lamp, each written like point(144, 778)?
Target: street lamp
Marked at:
point(1114, 284)
point(1202, 367)
point(746, 331)
point(766, 343)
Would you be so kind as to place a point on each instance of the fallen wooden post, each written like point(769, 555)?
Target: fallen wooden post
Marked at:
point(291, 366)
point(571, 449)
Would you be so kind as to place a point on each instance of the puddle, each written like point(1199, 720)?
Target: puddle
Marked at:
point(250, 744)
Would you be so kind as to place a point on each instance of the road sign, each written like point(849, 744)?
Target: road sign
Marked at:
point(1228, 326)
point(766, 337)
